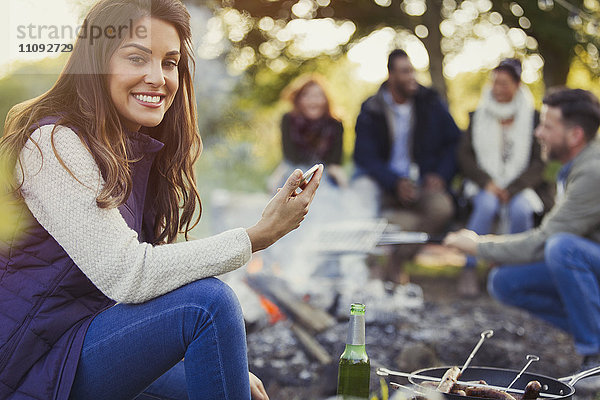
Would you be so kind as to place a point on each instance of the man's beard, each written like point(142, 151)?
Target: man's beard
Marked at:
point(403, 90)
point(555, 153)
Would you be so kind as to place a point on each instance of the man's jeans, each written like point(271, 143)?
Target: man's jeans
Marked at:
point(563, 290)
point(431, 213)
point(135, 348)
point(486, 206)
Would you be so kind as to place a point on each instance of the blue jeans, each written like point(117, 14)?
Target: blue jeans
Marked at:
point(563, 290)
point(134, 351)
point(486, 207)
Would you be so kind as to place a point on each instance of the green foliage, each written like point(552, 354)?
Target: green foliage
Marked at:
point(27, 80)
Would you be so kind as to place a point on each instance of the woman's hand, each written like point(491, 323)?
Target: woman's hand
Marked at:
point(257, 389)
point(285, 211)
point(502, 194)
point(463, 240)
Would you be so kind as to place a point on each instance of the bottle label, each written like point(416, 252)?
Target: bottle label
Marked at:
point(356, 333)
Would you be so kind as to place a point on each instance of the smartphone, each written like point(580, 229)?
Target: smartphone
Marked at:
point(307, 176)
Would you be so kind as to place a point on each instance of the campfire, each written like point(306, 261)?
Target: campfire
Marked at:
point(295, 303)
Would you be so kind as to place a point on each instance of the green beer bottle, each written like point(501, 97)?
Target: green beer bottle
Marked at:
point(354, 371)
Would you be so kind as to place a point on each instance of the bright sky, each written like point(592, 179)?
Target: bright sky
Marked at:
point(35, 22)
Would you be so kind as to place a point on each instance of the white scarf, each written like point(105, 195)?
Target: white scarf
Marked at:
point(489, 135)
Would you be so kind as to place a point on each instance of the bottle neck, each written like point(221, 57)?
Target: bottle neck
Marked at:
point(356, 331)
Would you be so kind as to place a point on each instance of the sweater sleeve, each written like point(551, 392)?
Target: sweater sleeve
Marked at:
point(533, 176)
point(98, 240)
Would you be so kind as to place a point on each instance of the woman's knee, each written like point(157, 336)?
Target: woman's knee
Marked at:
point(209, 302)
point(519, 208)
point(486, 203)
point(211, 295)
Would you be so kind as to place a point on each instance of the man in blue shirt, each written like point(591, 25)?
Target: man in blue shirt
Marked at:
point(405, 152)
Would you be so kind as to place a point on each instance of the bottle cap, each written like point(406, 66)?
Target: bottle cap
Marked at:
point(357, 309)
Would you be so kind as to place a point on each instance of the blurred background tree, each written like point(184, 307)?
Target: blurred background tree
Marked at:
point(260, 30)
point(248, 51)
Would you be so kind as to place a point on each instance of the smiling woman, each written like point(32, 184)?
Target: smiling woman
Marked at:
point(101, 168)
point(143, 82)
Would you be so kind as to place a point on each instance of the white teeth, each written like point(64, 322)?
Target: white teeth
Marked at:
point(147, 99)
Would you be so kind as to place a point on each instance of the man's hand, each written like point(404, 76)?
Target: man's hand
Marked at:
point(463, 240)
point(407, 192)
point(257, 389)
point(434, 183)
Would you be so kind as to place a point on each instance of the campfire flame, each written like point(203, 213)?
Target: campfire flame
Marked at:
point(255, 264)
point(274, 313)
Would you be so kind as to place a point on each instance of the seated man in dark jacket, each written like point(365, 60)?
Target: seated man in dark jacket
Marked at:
point(405, 152)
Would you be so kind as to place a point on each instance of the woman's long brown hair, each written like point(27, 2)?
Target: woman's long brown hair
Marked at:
point(81, 99)
point(296, 89)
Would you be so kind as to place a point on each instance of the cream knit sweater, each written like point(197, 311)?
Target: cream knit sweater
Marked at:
point(98, 240)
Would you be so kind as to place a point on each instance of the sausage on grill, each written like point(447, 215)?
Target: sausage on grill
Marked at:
point(448, 380)
point(532, 390)
point(488, 393)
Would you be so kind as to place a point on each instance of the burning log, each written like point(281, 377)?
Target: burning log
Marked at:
point(303, 314)
point(310, 317)
point(311, 345)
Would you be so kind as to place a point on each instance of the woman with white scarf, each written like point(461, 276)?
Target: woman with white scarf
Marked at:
point(500, 159)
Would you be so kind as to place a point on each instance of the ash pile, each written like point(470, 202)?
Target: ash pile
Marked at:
point(296, 304)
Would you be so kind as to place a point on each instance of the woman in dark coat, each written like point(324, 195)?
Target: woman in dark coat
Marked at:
point(310, 134)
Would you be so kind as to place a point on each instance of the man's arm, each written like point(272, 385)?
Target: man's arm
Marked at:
point(578, 213)
point(337, 148)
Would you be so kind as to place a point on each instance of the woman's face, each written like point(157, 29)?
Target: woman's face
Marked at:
point(312, 102)
point(504, 86)
point(143, 76)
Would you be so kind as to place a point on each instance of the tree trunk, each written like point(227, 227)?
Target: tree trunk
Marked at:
point(556, 67)
point(432, 20)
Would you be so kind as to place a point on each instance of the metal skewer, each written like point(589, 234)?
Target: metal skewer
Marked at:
point(388, 372)
point(399, 386)
point(484, 335)
point(530, 358)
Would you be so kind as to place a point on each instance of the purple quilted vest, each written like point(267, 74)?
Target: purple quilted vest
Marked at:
point(47, 303)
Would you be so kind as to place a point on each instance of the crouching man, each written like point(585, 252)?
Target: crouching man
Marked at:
point(553, 271)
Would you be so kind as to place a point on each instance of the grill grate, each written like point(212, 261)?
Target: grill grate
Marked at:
point(362, 236)
point(356, 236)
